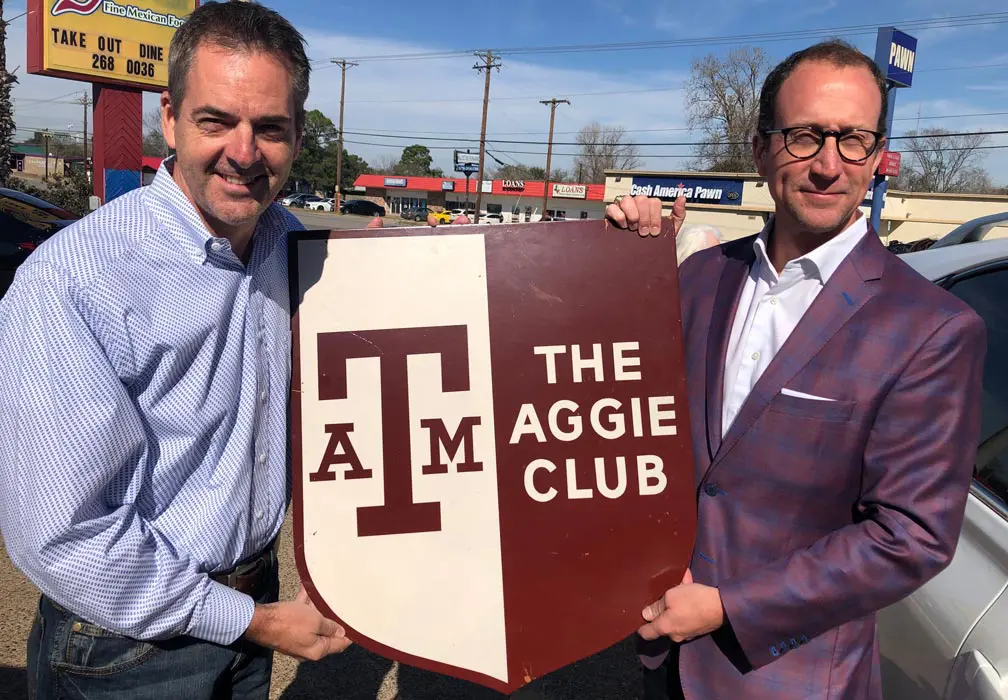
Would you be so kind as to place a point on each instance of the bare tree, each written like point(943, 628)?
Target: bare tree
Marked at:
point(153, 140)
point(602, 148)
point(386, 165)
point(723, 105)
point(938, 160)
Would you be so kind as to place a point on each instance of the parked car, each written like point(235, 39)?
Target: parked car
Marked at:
point(493, 217)
point(295, 199)
point(308, 201)
point(25, 222)
point(362, 207)
point(456, 213)
point(319, 204)
point(443, 216)
point(947, 640)
point(415, 214)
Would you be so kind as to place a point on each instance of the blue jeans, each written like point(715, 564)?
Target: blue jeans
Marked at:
point(71, 659)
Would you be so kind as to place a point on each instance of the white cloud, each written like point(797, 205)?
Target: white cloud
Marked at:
point(959, 116)
point(439, 96)
point(422, 99)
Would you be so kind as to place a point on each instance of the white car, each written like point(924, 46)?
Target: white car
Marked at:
point(456, 213)
point(320, 204)
point(949, 639)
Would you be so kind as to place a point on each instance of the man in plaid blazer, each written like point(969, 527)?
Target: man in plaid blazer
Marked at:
point(835, 398)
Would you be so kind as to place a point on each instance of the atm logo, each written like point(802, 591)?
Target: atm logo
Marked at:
point(80, 7)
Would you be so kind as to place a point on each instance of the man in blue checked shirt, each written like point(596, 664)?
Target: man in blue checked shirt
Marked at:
point(143, 407)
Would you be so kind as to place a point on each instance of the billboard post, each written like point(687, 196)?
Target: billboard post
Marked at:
point(121, 48)
point(895, 54)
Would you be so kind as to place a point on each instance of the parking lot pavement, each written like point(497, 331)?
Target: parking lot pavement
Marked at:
point(357, 674)
point(327, 220)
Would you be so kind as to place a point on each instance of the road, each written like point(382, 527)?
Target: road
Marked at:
point(356, 674)
point(323, 220)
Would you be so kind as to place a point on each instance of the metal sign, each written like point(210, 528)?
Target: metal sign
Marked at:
point(513, 185)
point(562, 191)
point(890, 164)
point(486, 443)
point(461, 157)
point(466, 163)
point(447, 185)
point(696, 190)
point(896, 53)
point(105, 41)
point(395, 182)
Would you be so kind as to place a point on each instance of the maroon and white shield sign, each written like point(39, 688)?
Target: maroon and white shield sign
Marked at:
point(491, 454)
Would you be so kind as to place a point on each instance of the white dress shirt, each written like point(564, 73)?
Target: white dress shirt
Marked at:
point(771, 306)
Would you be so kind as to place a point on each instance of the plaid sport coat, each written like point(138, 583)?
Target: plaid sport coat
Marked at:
point(812, 515)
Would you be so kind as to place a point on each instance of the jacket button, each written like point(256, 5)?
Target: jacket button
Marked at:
point(711, 490)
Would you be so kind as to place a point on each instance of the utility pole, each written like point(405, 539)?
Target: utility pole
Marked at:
point(45, 141)
point(549, 147)
point(489, 62)
point(85, 100)
point(343, 64)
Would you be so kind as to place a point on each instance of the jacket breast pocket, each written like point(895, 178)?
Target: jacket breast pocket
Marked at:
point(830, 411)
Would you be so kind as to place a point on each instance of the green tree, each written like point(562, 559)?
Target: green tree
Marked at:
point(71, 192)
point(316, 162)
point(353, 167)
point(6, 109)
point(520, 172)
point(416, 161)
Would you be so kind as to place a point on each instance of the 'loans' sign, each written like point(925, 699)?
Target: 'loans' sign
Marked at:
point(490, 440)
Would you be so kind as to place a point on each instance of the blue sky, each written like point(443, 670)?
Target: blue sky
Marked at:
point(442, 97)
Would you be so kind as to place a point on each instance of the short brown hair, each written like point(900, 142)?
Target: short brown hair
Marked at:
point(239, 26)
point(834, 51)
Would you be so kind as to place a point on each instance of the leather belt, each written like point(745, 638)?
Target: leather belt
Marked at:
point(253, 575)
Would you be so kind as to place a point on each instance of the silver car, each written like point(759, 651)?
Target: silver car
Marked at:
point(949, 640)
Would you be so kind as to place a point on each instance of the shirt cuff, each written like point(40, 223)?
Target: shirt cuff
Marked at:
point(224, 616)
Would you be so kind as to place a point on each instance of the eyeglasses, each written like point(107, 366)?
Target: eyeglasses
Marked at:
point(854, 145)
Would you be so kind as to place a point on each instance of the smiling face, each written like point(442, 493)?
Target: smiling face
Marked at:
point(819, 196)
point(235, 136)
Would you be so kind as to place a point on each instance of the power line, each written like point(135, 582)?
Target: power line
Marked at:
point(849, 30)
point(645, 143)
point(465, 136)
point(660, 155)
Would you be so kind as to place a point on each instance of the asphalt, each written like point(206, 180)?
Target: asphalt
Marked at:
point(356, 674)
point(325, 220)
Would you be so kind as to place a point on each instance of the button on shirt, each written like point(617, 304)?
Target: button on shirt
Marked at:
point(771, 306)
point(143, 414)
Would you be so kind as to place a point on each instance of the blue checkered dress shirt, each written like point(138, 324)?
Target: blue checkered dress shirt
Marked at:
point(143, 414)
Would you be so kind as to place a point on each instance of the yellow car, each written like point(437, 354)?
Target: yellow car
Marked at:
point(442, 217)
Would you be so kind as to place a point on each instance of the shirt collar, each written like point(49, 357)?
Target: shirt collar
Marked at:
point(824, 260)
point(176, 212)
point(179, 216)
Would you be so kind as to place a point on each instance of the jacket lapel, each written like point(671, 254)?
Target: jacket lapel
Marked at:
point(739, 256)
point(848, 290)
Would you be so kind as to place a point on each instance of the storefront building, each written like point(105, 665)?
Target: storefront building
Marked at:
point(739, 204)
point(516, 200)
